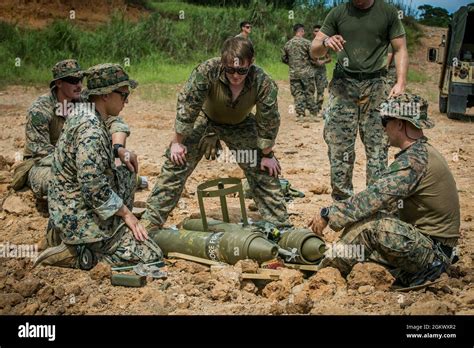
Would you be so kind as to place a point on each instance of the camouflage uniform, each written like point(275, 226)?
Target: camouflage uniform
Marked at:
point(207, 90)
point(353, 107)
point(392, 69)
point(87, 189)
point(44, 123)
point(358, 87)
point(243, 36)
point(321, 82)
point(296, 55)
point(398, 220)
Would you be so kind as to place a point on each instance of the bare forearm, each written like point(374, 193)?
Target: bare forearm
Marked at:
point(401, 64)
point(317, 49)
point(119, 138)
point(267, 150)
point(177, 138)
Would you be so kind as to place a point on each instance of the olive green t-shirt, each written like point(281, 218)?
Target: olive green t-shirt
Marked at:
point(434, 205)
point(367, 33)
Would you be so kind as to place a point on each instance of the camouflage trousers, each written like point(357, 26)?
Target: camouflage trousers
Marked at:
point(392, 76)
point(353, 106)
point(121, 248)
point(321, 82)
point(38, 178)
point(382, 239)
point(266, 189)
point(303, 91)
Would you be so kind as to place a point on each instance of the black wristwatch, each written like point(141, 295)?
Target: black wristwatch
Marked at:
point(116, 148)
point(268, 155)
point(325, 214)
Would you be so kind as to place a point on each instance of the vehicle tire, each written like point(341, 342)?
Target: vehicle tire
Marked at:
point(454, 116)
point(443, 104)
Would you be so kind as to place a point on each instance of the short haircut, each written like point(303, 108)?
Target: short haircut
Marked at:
point(297, 27)
point(317, 26)
point(243, 24)
point(237, 47)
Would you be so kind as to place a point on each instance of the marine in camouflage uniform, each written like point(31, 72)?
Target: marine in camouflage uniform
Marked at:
point(321, 82)
point(320, 74)
point(358, 87)
point(409, 218)
point(296, 53)
point(205, 106)
point(87, 190)
point(44, 124)
point(391, 68)
point(245, 30)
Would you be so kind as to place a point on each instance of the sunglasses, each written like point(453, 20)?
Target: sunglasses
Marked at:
point(240, 71)
point(385, 120)
point(248, 26)
point(72, 80)
point(123, 94)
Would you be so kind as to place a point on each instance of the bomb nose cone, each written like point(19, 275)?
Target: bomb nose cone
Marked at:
point(262, 250)
point(313, 249)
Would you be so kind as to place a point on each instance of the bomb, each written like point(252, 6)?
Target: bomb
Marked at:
point(305, 246)
point(229, 244)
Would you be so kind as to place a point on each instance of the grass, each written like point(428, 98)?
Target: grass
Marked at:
point(416, 76)
point(161, 48)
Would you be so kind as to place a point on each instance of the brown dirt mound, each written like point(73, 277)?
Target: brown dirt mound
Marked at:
point(40, 13)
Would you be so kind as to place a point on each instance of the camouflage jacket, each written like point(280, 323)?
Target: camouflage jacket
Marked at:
point(44, 124)
point(195, 92)
point(296, 53)
point(81, 198)
point(418, 186)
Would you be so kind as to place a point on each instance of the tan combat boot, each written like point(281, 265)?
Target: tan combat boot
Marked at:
point(60, 256)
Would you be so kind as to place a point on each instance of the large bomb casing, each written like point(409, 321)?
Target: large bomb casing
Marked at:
point(228, 244)
point(309, 248)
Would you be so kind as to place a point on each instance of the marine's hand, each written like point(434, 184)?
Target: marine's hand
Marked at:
point(178, 153)
point(138, 231)
point(398, 89)
point(335, 42)
point(318, 224)
point(272, 165)
point(129, 158)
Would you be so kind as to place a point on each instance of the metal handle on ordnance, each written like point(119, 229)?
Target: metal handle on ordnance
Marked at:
point(221, 192)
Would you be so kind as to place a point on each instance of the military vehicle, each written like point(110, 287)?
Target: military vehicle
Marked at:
point(455, 54)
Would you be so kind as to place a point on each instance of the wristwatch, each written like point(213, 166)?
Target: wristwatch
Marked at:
point(116, 148)
point(324, 41)
point(325, 214)
point(271, 154)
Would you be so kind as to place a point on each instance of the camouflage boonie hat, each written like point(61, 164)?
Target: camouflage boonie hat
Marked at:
point(64, 68)
point(409, 107)
point(105, 78)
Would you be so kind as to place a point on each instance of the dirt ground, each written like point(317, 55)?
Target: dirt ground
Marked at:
point(87, 13)
point(190, 288)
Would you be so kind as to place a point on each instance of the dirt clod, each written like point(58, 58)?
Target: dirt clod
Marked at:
point(369, 274)
point(101, 271)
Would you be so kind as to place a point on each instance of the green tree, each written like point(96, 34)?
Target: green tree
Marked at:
point(434, 16)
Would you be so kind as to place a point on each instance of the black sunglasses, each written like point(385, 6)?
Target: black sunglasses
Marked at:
point(72, 80)
point(248, 26)
point(240, 71)
point(123, 94)
point(385, 120)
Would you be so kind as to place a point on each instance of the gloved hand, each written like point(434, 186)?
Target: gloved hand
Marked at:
point(210, 145)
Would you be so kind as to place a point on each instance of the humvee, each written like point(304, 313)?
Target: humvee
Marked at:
point(456, 55)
